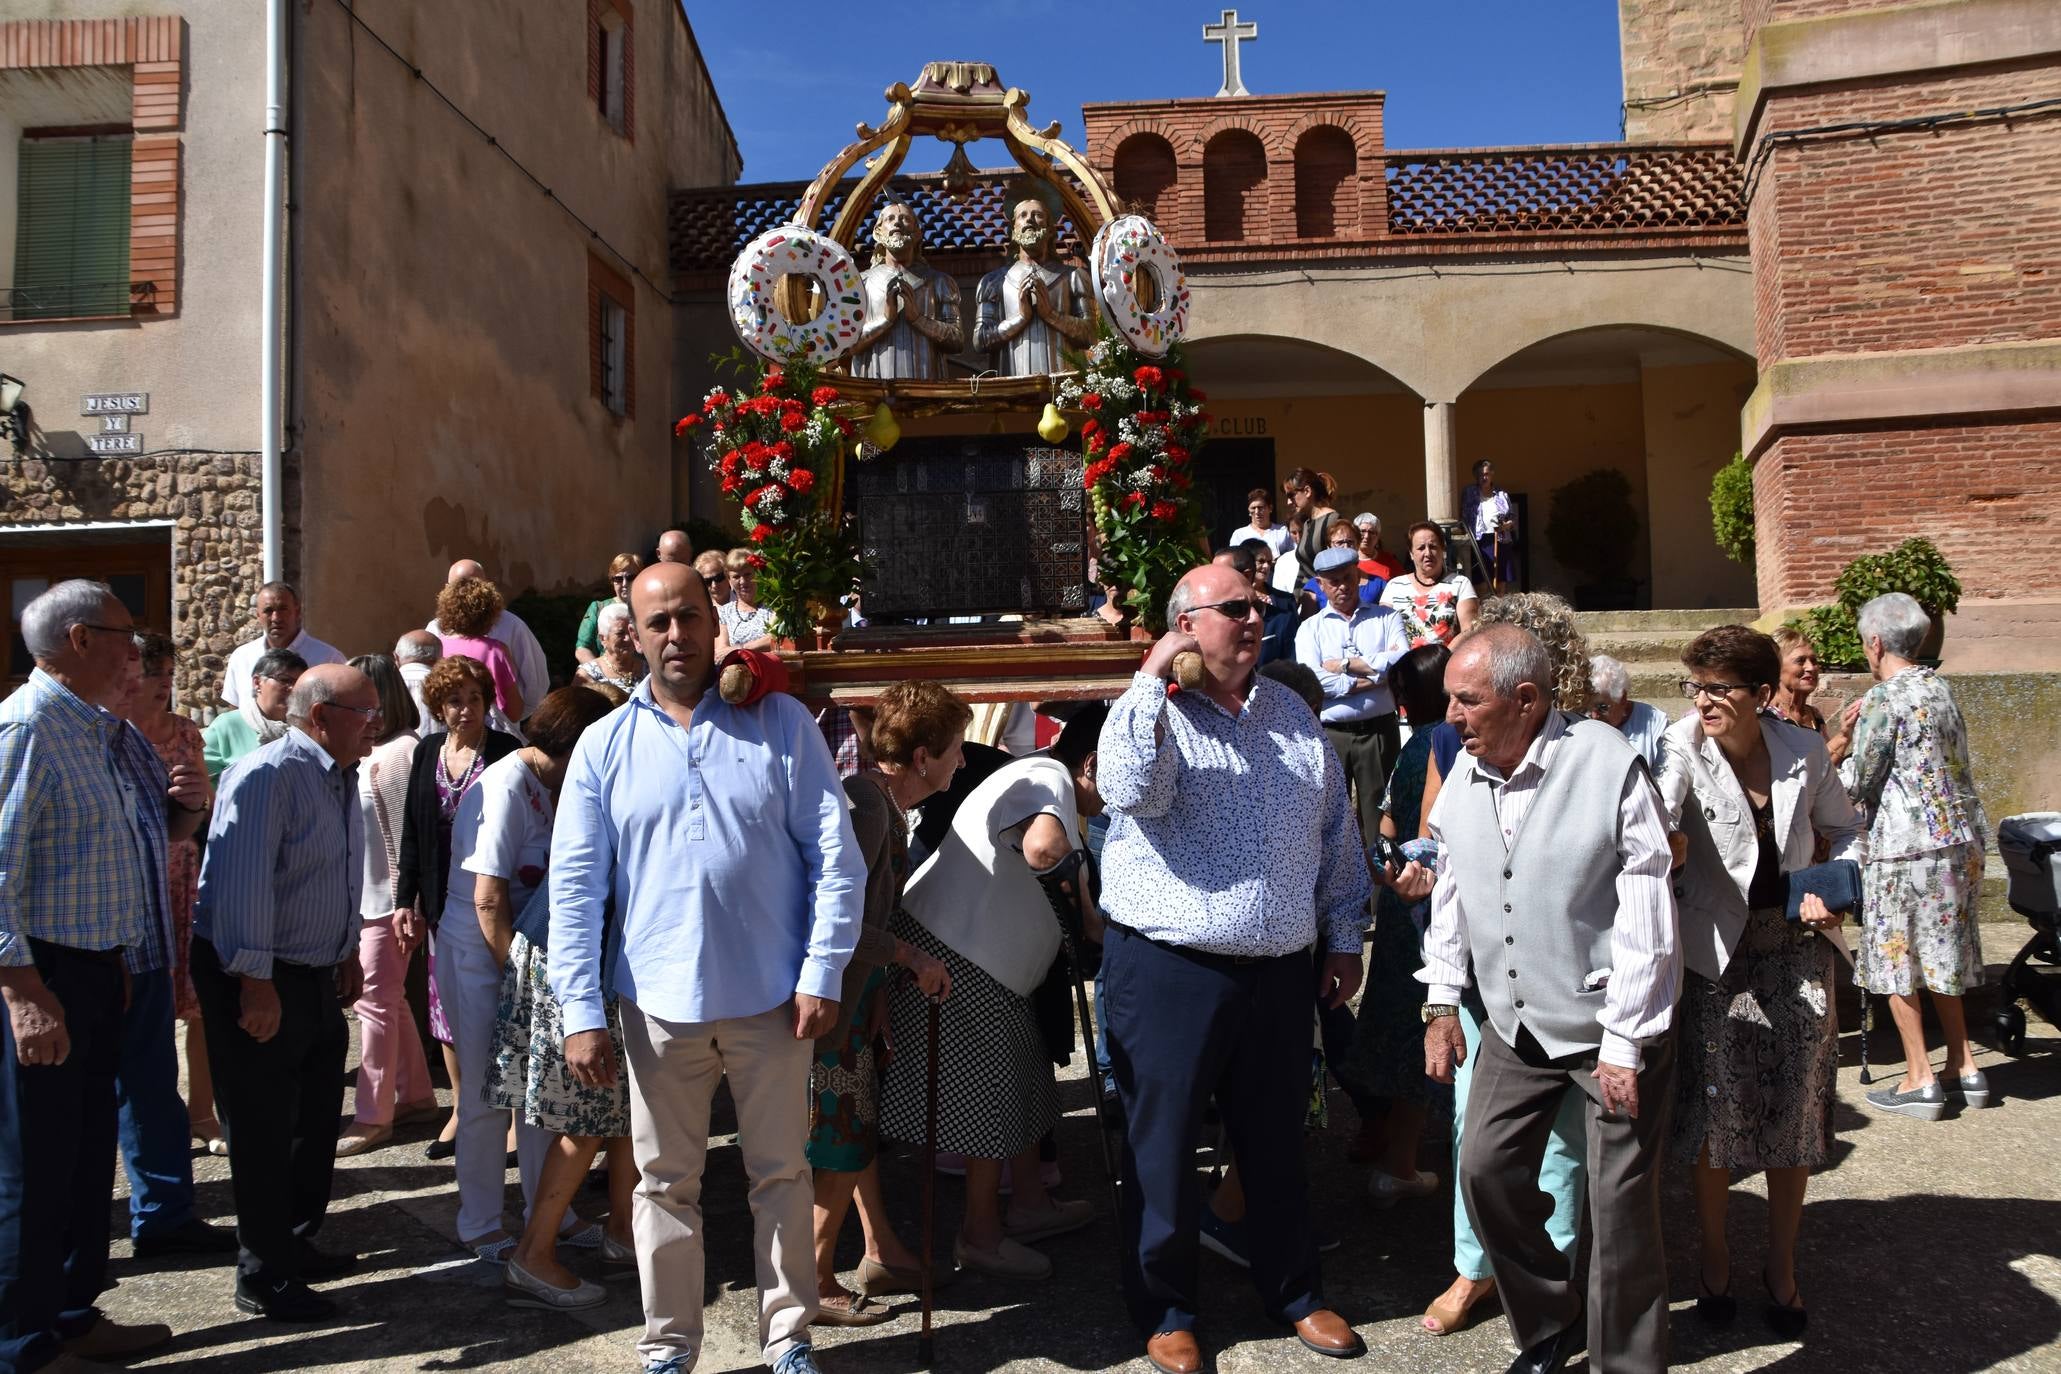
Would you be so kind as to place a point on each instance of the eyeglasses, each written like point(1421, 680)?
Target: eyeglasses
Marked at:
point(1714, 690)
point(362, 712)
point(106, 629)
point(1239, 609)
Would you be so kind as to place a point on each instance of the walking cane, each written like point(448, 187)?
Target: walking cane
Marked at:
point(926, 1348)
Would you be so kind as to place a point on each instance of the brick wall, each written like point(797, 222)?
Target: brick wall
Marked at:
point(217, 541)
point(1681, 67)
point(1266, 147)
point(1886, 242)
point(1916, 239)
point(1988, 493)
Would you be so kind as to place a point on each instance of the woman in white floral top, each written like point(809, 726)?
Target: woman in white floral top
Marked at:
point(1904, 757)
point(1437, 607)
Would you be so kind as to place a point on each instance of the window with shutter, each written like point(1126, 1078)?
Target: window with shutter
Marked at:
point(71, 254)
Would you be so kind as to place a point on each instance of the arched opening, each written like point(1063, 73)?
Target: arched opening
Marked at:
point(1234, 175)
point(1655, 406)
point(1281, 403)
point(1325, 165)
point(1144, 170)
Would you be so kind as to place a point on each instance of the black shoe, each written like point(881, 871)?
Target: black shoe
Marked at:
point(1715, 1309)
point(440, 1149)
point(1784, 1319)
point(511, 1162)
point(1551, 1355)
point(284, 1300)
point(196, 1237)
point(318, 1266)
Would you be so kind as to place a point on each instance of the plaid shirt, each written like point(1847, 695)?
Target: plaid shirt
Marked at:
point(82, 830)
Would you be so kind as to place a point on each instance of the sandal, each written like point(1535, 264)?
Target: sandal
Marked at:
point(1453, 1319)
point(850, 1309)
point(877, 1280)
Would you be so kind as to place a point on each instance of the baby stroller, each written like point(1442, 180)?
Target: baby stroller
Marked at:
point(2030, 845)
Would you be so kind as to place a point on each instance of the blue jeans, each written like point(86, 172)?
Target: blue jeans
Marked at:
point(1563, 1174)
point(154, 1130)
point(57, 1135)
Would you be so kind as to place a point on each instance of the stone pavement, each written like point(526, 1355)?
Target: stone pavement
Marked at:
point(1925, 1247)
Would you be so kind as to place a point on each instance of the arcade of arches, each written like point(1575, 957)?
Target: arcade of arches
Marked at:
point(1658, 406)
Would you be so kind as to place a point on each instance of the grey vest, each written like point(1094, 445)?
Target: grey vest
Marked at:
point(1539, 913)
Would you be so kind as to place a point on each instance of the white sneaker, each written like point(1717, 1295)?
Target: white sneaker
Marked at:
point(1387, 1190)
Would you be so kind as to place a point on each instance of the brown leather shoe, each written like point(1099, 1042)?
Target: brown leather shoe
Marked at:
point(1174, 1352)
point(1327, 1333)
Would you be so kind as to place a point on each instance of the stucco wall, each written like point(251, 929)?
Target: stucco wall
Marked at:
point(1691, 426)
point(445, 359)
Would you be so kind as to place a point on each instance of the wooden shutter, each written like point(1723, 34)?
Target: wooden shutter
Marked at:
point(71, 254)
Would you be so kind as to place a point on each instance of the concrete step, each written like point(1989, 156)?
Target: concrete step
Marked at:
point(1693, 621)
point(1640, 648)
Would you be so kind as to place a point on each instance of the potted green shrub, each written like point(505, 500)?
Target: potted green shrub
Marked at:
point(1591, 528)
point(1731, 509)
point(1916, 568)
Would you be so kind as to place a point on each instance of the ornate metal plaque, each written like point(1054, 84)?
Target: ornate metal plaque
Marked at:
point(972, 525)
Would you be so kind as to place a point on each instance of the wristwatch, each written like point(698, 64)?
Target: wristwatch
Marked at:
point(1434, 1010)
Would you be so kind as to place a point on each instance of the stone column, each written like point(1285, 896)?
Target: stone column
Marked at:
point(1441, 452)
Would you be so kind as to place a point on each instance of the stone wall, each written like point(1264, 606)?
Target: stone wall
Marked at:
point(217, 544)
point(1681, 68)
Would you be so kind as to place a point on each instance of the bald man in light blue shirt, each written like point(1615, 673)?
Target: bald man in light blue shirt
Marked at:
point(703, 869)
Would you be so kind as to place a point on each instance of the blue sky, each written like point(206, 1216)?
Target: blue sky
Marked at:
point(795, 76)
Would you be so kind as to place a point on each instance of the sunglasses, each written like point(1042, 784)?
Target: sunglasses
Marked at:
point(1238, 609)
point(719, 577)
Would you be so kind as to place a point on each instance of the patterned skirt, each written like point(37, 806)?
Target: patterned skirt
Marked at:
point(439, 1024)
point(996, 1090)
point(844, 1093)
point(529, 1072)
point(1759, 1052)
point(1918, 923)
point(1387, 1054)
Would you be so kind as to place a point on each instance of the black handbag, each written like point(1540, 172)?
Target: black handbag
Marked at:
point(1837, 884)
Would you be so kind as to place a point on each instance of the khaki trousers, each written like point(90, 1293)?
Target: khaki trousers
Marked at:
point(673, 1068)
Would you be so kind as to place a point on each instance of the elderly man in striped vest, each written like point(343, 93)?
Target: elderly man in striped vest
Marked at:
point(1553, 901)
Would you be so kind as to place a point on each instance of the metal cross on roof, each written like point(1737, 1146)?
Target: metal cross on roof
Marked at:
point(1228, 32)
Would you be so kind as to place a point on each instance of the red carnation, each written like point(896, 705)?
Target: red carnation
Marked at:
point(757, 561)
point(1090, 426)
point(793, 420)
point(1197, 395)
point(1156, 473)
point(1091, 401)
point(1182, 481)
point(1164, 510)
point(731, 482)
point(1149, 377)
point(686, 423)
point(1096, 443)
point(1119, 453)
point(774, 379)
point(729, 463)
point(846, 427)
point(1177, 374)
point(761, 533)
point(803, 481)
point(824, 396)
point(1176, 455)
point(1133, 500)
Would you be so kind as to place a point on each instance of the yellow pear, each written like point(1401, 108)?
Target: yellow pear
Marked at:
point(881, 431)
point(1052, 426)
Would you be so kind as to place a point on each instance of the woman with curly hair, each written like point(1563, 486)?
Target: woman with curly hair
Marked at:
point(466, 611)
point(1562, 1174)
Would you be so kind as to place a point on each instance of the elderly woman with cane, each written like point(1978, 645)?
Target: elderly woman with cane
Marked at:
point(1903, 754)
point(976, 905)
point(917, 735)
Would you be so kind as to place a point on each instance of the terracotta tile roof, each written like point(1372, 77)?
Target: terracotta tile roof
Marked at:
point(1593, 191)
point(1534, 190)
point(709, 227)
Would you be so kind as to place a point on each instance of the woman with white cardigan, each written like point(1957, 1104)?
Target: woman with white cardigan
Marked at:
point(1758, 1046)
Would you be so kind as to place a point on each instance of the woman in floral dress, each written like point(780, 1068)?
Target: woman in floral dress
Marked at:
point(1904, 753)
point(1437, 606)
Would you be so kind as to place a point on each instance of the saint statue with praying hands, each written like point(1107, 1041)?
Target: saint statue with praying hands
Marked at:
point(1032, 309)
point(913, 322)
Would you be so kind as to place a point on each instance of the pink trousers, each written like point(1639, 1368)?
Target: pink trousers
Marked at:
point(391, 1066)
